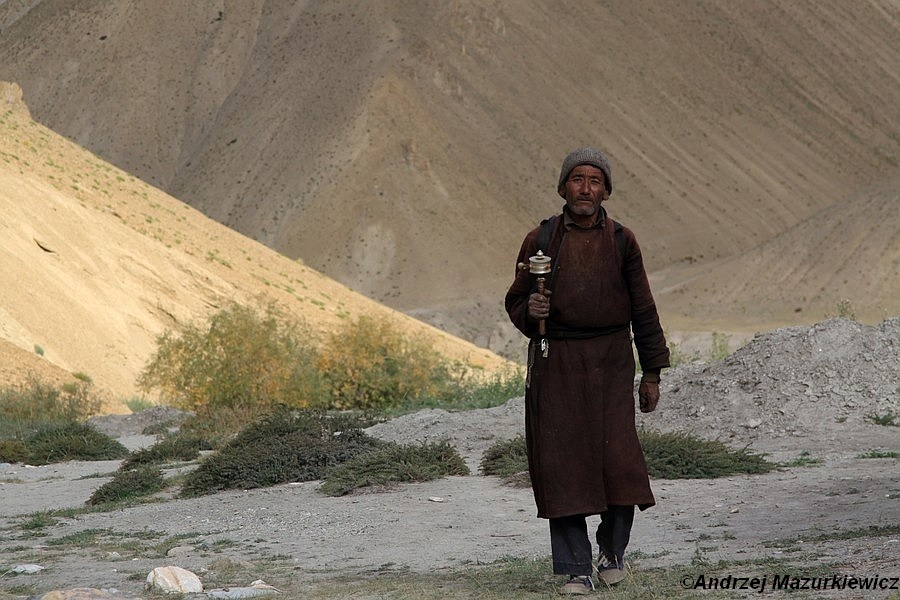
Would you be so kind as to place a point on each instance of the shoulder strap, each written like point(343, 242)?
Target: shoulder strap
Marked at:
point(543, 238)
point(620, 240)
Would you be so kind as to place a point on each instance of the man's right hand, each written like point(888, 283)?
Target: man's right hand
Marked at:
point(648, 395)
point(539, 305)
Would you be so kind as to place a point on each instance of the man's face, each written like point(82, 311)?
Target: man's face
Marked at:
point(585, 190)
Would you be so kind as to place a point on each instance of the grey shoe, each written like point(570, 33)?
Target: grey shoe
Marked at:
point(610, 571)
point(578, 584)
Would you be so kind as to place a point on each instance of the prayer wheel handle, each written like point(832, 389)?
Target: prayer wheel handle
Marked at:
point(538, 265)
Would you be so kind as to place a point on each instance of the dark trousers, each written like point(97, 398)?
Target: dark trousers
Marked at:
point(571, 546)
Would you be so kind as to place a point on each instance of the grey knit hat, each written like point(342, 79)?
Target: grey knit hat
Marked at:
point(584, 156)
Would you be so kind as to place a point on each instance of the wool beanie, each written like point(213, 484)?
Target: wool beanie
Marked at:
point(584, 156)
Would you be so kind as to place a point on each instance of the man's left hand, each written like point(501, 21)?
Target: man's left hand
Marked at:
point(648, 395)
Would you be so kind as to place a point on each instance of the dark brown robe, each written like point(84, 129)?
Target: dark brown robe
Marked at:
point(583, 450)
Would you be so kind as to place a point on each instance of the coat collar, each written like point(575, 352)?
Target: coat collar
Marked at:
point(569, 222)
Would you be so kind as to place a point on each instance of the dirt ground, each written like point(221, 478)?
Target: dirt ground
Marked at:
point(800, 394)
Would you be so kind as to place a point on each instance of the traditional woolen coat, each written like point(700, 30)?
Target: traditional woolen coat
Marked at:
point(583, 450)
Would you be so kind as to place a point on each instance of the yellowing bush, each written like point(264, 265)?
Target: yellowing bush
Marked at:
point(370, 364)
point(241, 363)
point(239, 358)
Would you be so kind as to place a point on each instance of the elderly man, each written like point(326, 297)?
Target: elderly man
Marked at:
point(583, 451)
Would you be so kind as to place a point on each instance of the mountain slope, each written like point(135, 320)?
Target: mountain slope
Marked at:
point(96, 264)
point(404, 148)
point(802, 272)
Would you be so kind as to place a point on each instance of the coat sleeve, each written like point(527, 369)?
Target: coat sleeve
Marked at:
point(522, 286)
point(649, 338)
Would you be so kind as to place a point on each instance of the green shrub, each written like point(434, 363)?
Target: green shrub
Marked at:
point(13, 451)
point(138, 403)
point(129, 484)
point(804, 459)
point(505, 458)
point(394, 463)
point(179, 447)
point(682, 456)
point(71, 441)
point(677, 354)
point(239, 358)
point(719, 348)
point(888, 419)
point(370, 364)
point(283, 446)
point(879, 454)
point(845, 309)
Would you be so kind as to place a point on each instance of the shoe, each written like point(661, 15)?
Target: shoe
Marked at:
point(609, 571)
point(578, 584)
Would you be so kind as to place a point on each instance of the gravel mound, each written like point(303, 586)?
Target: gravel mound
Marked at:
point(827, 380)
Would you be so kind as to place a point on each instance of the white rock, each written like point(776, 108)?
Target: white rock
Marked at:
point(256, 589)
point(174, 580)
point(27, 569)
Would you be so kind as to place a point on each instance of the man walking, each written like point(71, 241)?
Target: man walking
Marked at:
point(583, 451)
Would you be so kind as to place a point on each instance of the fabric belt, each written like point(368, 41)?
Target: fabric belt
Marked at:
point(561, 332)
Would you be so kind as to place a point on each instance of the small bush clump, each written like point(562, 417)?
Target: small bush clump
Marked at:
point(394, 463)
point(283, 446)
point(683, 456)
point(719, 348)
point(888, 419)
point(505, 458)
point(72, 441)
point(178, 447)
point(128, 484)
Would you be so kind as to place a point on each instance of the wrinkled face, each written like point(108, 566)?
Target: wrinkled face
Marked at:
point(585, 191)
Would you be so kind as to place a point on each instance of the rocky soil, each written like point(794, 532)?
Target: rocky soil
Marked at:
point(805, 394)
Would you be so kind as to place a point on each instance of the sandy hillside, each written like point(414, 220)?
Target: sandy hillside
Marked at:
point(96, 264)
point(403, 148)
